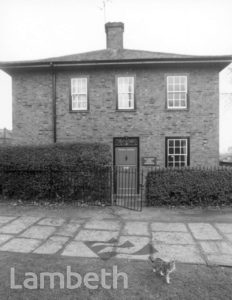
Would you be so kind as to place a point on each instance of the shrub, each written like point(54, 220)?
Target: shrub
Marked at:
point(190, 187)
point(60, 171)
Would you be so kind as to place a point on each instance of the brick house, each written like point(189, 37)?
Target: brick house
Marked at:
point(149, 106)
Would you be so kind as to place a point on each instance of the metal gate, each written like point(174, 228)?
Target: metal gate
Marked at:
point(128, 187)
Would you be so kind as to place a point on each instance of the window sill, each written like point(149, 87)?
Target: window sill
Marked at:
point(177, 109)
point(79, 111)
point(126, 110)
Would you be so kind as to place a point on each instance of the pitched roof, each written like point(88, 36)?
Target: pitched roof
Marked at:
point(117, 56)
point(114, 54)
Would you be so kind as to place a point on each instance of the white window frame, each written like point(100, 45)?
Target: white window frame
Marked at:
point(122, 90)
point(177, 91)
point(78, 92)
point(177, 161)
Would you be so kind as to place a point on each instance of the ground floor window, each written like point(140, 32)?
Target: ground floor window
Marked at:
point(177, 152)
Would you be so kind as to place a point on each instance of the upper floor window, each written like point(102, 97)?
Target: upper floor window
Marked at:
point(177, 92)
point(126, 93)
point(177, 151)
point(79, 94)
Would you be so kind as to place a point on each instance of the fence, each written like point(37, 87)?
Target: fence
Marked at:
point(125, 187)
point(66, 183)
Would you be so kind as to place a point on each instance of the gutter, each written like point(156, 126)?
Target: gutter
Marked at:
point(21, 65)
point(53, 101)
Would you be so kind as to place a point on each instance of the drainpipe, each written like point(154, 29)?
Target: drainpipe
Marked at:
point(53, 101)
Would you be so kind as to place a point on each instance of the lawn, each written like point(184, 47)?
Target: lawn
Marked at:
point(188, 282)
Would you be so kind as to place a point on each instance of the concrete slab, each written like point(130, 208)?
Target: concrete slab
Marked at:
point(19, 225)
point(159, 226)
point(78, 249)
point(4, 238)
point(38, 232)
point(224, 227)
point(229, 236)
point(172, 237)
point(181, 253)
point(52, 245)
point(68, 229)
point(78, 221)
point(6, 219)
point(136, 228)
point(20, 245)
point(51, 221)
point(104, 225)
point(219, 259)
point(133, 247)
point(96, 235)
point(59, 239)
point(204, 231)
point(216, 247)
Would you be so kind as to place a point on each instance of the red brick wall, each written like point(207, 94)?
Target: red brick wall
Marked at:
point(151, 122)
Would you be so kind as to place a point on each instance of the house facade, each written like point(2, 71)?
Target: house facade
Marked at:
point(154, 108)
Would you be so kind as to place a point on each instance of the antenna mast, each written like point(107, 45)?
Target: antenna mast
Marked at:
point(103, 7)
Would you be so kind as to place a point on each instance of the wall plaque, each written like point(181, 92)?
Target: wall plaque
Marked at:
point(149, 161)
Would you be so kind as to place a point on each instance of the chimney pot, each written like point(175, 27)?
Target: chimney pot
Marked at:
point(114, 35)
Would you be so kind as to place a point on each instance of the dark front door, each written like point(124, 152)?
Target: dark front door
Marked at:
point(126, 160)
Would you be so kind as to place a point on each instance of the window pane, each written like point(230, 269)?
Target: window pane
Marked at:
point(74, 102)
point(79, 93)
point(126, 92)
point(171, 143)
point(183, 103)
point(177, 153)
point(170, 103)
point(171, 150)
point(176, 90)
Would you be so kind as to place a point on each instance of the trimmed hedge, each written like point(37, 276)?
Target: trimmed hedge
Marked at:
point(59, 171)
point(189, 187)
point(80, 155)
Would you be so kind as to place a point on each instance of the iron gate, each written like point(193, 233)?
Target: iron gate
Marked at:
point(128, 187)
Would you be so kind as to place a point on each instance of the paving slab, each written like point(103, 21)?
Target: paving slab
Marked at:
point(224, 227)
point(6, 219)
point(20, 245)
point(52, 221)
point(78, 221)
point(229, 236)
point(4, 238)
point(59, 239)
point(133, 247)
point(181, 253)
point(159, 226)
point(96, 235)
point(172, 237)
point(38, 232)
point(216, 247)
point(78, 249)
point(104, 225)
point(68, 229)
point(204, 231)
point(136, 228)
point(219, 259)
point(52, 245)
point(19, 225)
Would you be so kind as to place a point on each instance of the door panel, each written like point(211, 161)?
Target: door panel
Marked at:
point(126, 170)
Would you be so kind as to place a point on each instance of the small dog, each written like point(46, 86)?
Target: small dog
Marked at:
point(163, 268)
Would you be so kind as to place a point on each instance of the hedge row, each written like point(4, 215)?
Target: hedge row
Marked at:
point(81, 156)
point(189, 187)
point(62, 171)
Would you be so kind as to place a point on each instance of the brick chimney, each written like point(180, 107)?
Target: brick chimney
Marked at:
point(114, 35)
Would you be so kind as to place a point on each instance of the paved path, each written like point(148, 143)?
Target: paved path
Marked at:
point(200, 243)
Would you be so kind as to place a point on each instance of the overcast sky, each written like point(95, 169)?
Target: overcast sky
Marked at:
point(31, 29)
